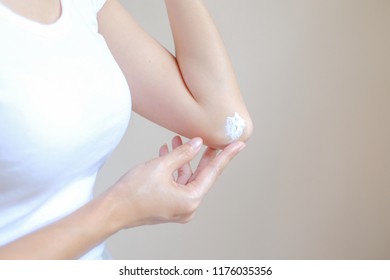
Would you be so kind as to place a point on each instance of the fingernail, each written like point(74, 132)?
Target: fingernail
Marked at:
point(196, 143)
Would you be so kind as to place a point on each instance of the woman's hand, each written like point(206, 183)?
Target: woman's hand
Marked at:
point(151, 193)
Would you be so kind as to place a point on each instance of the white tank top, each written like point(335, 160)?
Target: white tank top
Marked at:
point(64, 106)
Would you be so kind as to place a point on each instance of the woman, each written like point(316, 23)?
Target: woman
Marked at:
point(65, 74)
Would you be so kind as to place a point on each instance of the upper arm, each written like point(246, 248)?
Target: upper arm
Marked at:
point(159, 92)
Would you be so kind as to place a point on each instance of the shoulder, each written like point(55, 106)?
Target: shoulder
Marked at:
point(85, 10)
point(97, 4)
point(90, 6)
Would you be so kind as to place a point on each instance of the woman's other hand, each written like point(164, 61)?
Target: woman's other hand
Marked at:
point(151, 193)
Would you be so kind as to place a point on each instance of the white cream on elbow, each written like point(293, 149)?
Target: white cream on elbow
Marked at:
point(234, 127)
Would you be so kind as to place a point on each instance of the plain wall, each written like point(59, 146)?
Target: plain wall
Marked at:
point(314, 180)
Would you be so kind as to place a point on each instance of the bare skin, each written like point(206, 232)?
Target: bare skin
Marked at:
point(190, 93)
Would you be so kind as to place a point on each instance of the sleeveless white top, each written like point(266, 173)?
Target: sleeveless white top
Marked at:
point(64, 106)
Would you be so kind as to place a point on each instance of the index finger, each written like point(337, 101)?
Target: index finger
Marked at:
point(208, 175)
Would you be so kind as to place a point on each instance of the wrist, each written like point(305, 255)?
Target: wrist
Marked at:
point(118, 209)
point(110, 219)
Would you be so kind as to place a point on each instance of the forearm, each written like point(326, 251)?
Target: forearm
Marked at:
point(194, 92)
point(204, 63)
point(68, 238)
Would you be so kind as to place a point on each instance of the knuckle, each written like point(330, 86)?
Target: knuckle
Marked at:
point(157, 165)
point(186, 151)
point(187, 219)
point(191, 207)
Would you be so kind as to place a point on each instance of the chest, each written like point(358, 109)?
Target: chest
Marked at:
point(60, 98)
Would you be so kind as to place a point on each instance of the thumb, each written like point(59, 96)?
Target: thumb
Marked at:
point(183, 154)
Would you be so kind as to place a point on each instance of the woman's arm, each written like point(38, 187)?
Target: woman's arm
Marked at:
point(147, 194)
point(68, 238)
point(195, 93)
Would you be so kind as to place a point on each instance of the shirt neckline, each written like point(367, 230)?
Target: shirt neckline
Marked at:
point(55, 29)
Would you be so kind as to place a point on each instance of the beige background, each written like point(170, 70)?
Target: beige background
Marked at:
point(314, 181)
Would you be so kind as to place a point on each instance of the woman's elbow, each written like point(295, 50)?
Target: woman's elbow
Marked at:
point(235, 128)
